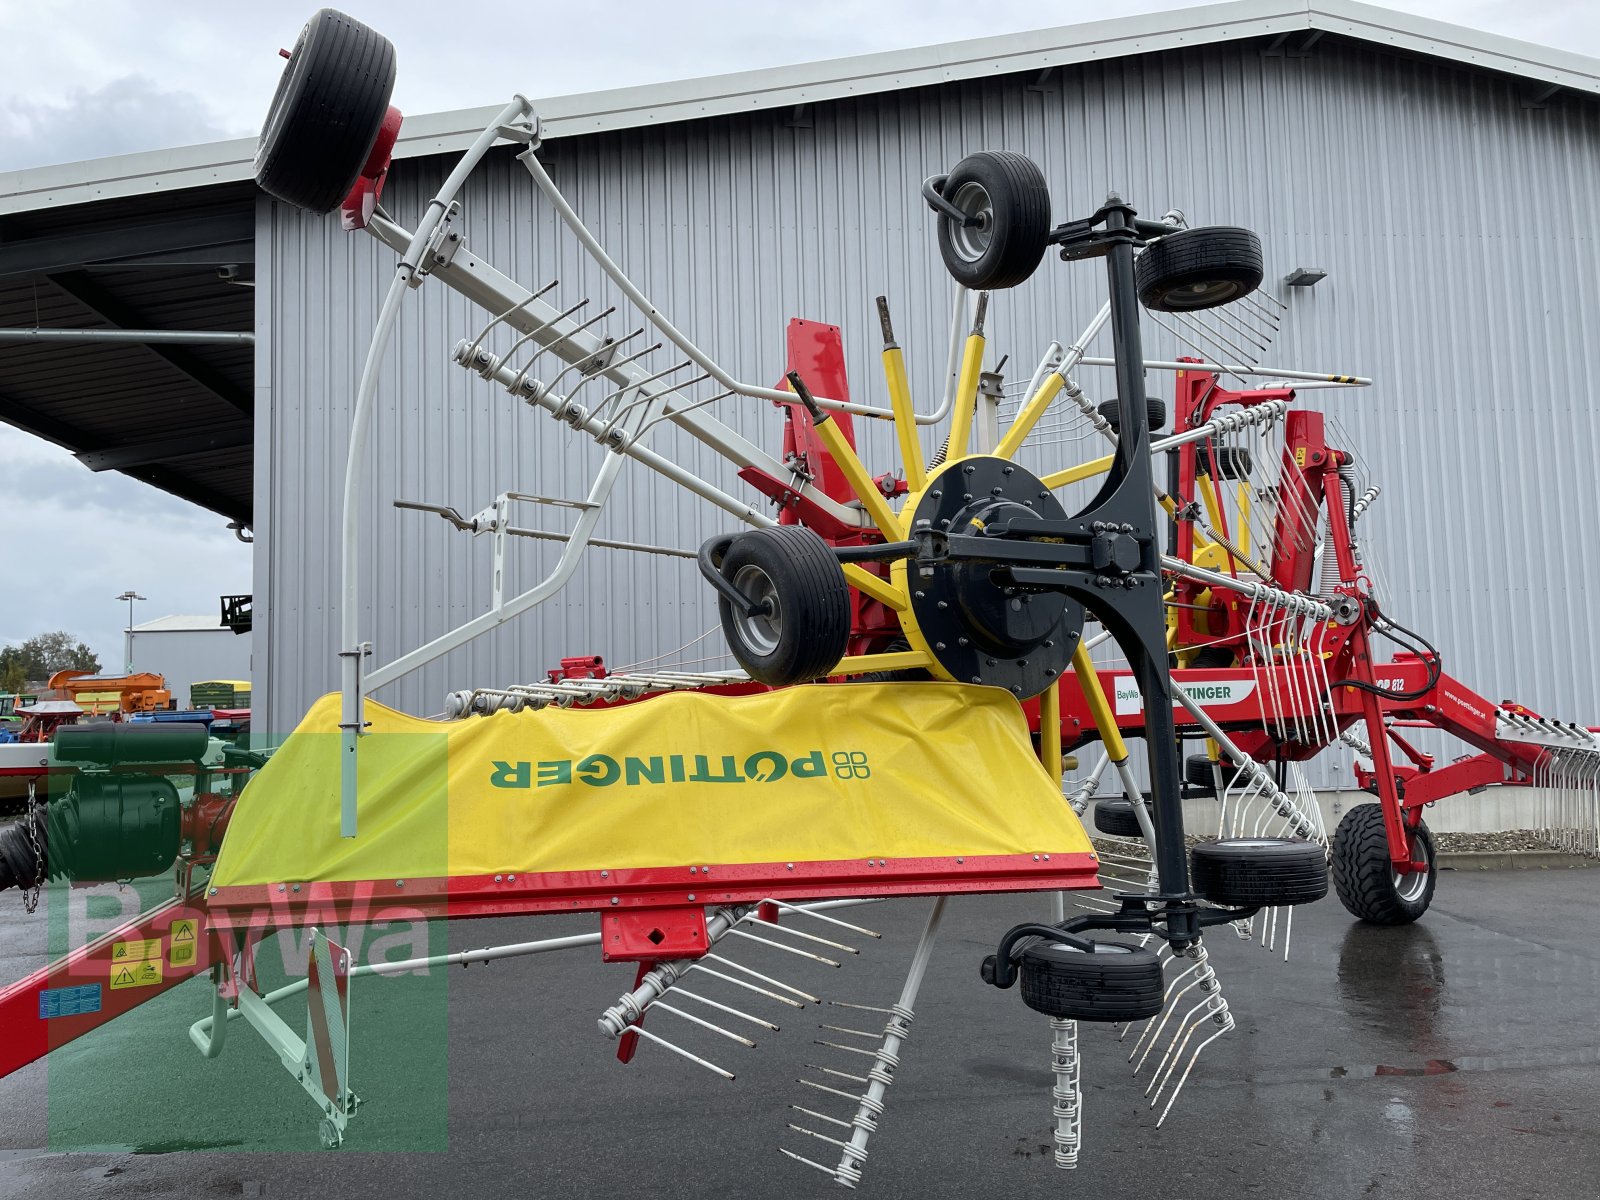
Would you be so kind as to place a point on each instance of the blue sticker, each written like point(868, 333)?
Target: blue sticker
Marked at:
point(69, 1002)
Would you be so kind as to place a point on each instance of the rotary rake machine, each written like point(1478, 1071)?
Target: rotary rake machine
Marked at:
point(899, 635)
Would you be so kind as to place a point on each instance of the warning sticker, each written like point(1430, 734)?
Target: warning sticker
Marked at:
point(135, 951)
point(136, 974)
point(181, 952)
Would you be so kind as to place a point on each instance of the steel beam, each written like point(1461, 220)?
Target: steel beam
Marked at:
point(166, 450)
point(80, 287)
point(231, 235)
point(153, 337)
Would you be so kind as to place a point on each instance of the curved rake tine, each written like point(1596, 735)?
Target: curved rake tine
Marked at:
point(816, 916)
point(786, 949)
point(1166, 1000)
point(809, 937)
point(704, 1024)
point(621, 362)
point(558, 340)
point(645, 398)
point(1180, 1038)
point(510, 312)
point(1184, 1078)
point(641, 1031)
point(748, 986)
point(560, 316)
point(821, 1116)
point(734, 1012)
point(687, 408)
point(777, 983)
point(1170, 1008)
point(580, 364)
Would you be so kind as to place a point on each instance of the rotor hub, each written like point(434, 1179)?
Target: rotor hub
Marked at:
point(977, 626)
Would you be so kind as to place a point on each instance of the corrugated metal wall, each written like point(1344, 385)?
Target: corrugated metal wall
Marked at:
point(1455, 221)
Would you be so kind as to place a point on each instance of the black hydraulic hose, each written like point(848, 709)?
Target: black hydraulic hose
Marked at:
point(20, 865)
point(1418, 645)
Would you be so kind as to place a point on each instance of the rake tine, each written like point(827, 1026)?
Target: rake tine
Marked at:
point(810, 937)
point(816, 916)
point(853, 1032)
point(1184, 1078)
point(862, 1079)
point(821, 1137)
point(728, 962)
point(888, 1012)
point(688, 995)
point(1167, 999)
point(1171, 1007)
point(1180, 1038)
point(847, 1049)
point(641, 1031)
point(791, 1154)
point(750, 986)
point(786, 949)
point(821, 1087)
point(822, 1117)
point(703, 1023)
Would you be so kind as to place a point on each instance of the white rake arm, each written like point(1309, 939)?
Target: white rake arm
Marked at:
point(530, 159)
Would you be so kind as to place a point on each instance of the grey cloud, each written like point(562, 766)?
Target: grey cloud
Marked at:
point(125, 115)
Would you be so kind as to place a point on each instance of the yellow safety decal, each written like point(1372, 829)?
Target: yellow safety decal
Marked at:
point(182, 951)
point(122, 952)
point(1299, 456)
point(135, 974)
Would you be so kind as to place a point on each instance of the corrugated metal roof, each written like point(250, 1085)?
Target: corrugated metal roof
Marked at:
point(165, 171)
point(177, 417)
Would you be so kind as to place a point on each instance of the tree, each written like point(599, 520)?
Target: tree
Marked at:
point(42, 656)
point(13, 679)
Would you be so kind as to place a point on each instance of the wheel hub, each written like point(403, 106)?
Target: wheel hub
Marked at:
point(976, 628)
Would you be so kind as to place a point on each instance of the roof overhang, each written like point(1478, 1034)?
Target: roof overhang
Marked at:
point(807, 83)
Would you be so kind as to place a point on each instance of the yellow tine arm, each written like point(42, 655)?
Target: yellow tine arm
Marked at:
point(876, 586)
point(966, 403)
point(1030, 414)
point(905, 422)
point(899, 660)
point(1050, 729)
point(844, 454)
point(1057, 479)
point(1099, 706)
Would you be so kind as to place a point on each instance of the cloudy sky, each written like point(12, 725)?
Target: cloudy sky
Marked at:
point(81, 80)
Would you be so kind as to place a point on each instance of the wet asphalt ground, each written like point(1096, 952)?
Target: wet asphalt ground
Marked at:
point(1459, 1057)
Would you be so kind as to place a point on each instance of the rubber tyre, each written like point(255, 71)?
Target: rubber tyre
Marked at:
point(1197, 773)
point(326, 114)
point(1155, 410)
point(1201, 268)
point(1011, 188)
point(1211, 658)
point(1362, 877)
point(1234, 462)
point(1269, 872)
point(793, 567)
point(1118, 982)
point(1115, 815)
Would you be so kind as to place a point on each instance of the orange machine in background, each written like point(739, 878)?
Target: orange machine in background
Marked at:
point(141, 692)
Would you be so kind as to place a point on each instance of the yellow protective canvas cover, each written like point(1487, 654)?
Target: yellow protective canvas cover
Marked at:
point(814, 773)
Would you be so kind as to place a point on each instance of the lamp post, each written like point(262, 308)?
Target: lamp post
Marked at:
point(130, 596)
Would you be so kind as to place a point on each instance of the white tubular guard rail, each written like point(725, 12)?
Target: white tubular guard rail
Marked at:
point(564, 693)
